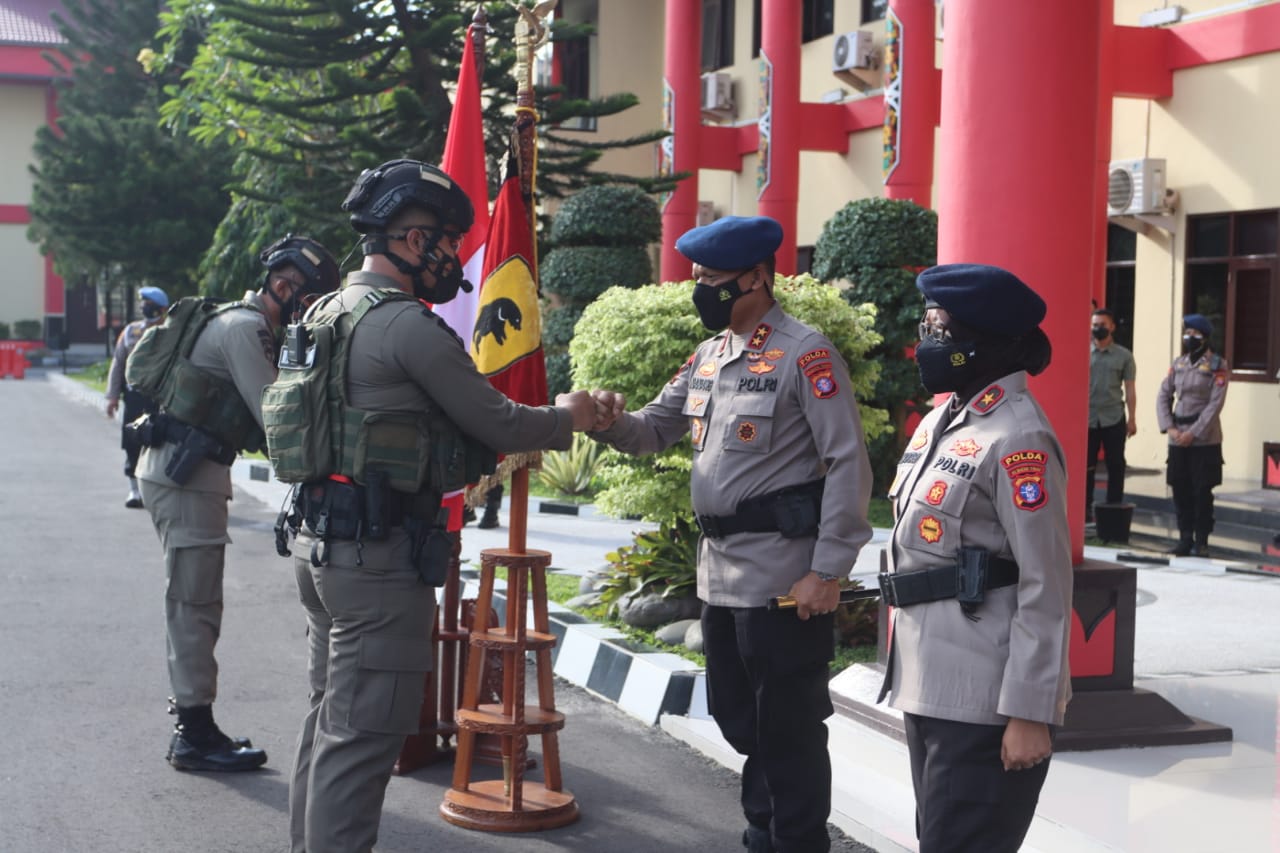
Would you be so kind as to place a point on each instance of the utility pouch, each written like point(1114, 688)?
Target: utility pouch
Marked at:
point(145, 431)
point(796, 514)
point(332, 509)
point(376, 509)
point(431, 548)
point(287, 522)
point(971, 577)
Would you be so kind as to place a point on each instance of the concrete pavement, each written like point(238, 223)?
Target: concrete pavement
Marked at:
point(83, 686)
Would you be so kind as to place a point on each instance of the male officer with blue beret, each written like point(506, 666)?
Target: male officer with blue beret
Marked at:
point(780, 484)
point(980, 567)
point(1188, 407)
point(153, 303)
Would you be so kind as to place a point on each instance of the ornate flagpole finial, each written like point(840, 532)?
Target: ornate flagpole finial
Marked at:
point(532, 33)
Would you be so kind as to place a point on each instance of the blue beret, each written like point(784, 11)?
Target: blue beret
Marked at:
point(154, 294)
point(1199, 322)
point(986, 298)
point(732, 242)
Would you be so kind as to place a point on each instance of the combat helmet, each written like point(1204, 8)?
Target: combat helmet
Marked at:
point(312, 260)
point(379, 194)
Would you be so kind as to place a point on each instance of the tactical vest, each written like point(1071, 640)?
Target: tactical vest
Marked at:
point(314, 432)
point(160, 367)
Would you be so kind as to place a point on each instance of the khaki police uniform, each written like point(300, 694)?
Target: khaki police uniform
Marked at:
point(1190, 399)
point(992, 477)
point(765, 412)
point(369, 616)
point(191, 519)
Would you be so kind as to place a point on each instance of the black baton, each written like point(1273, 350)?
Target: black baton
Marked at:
point(788, 602)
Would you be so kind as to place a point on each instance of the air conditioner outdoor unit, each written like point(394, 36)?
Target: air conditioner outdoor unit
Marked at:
point(1136, 187)
point(717, 96)
point(853, 59)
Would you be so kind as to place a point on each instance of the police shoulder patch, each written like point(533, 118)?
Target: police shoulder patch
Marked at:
point(1026, 470)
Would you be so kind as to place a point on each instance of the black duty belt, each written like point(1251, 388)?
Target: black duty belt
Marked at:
point(1183, 420)
point(902, 589)
point(165, 428)
point(793, 511)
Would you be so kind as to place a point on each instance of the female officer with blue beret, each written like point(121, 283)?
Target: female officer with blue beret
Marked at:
point(980, 567)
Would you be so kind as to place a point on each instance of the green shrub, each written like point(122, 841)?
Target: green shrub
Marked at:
point(28, 330)
point(607, 215)
point(878, 245)
point(578, 274)
point(633, 341)
point(558, 323)
point(4, 331)
point(571, 471)
point(658, 561)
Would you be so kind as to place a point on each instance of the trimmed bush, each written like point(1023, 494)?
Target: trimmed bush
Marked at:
point(578, 274)
point(632, 341)
point(607, 215)
point(4, 331)
point(27, 330)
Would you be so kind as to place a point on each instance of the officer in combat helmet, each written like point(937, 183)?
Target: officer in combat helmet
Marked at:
point(210, 409)
point(368, 598)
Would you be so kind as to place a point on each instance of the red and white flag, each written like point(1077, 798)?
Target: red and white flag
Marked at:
point(464, 161)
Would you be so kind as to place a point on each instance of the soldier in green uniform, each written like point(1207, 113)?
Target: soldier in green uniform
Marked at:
point(781, 482)
point(980, 567)
point(1188, 408)
point(369, 612)
point(233, 359)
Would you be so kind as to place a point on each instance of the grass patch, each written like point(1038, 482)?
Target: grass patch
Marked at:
point(95, 375)
point(538, 490)
point(880, 512)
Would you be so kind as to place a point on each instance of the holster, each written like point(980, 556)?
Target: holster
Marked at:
point(431, 547)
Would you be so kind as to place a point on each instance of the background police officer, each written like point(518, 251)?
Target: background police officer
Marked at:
point(233, 359)
point(1111, 371)
point(771, 412)
point(1188, 407)
point(980, 673)
point(154, 302)
point(369, 614)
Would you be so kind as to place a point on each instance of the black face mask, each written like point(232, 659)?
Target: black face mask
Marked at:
point(150, 310)
point(448, 276)
point(1193, 346)
point(715, 304)
point(946, 366)
point(1101, 333)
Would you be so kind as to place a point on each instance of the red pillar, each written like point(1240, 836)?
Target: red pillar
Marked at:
point(1106, 88)
point(910, 100)
point(682, 115)
point(1018, 153)
point(778, 175)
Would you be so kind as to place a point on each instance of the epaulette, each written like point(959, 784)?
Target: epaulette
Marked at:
point(989, 400)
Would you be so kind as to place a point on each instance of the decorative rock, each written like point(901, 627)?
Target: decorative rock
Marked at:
point(652, 610)
point(693, 636)
point(582, 602)
point(587, 584)
point(673, 634)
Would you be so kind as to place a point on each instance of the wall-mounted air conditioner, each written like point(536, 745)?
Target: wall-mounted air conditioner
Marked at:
point(1136, 187)
point(717, 96)
point(854, 59)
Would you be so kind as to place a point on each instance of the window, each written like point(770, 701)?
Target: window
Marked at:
point(717, 34)
point(804, 259)
point(1122, 250)
point(819, 19)
point(874, 10)
point(1231, 278)
point(572, 59)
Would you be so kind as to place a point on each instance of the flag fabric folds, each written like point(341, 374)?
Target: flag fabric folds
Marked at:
point(506, 343)
point(464, 161)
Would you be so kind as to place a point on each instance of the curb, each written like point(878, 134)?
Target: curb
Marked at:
point(646, 684)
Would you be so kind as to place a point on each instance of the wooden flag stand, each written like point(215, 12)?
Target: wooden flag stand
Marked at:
point(513, 803)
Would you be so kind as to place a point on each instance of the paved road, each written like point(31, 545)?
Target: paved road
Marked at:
point(83, 686)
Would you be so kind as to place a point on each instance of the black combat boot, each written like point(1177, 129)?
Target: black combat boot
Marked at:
point(1202, 546)
point(492, 500)
point(1183, 548)
point(198, 744)
point(173, 710)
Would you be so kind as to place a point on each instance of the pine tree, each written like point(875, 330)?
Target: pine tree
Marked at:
point(116, 198)
point(309, 92)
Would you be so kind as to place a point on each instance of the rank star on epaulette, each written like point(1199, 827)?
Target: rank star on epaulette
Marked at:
point(760, 336)
point(987, 400)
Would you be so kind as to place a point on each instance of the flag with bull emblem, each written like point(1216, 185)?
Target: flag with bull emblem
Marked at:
point(507, 341)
